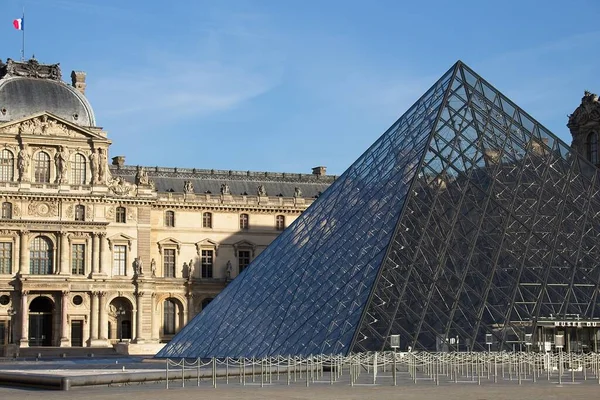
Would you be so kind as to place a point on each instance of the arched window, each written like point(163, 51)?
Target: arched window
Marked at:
point(170, 218)
point(280, 222)
point(40, 256)
point(78, 169)
point(7, 165)
point(169, 317)
point(41, 167)
point(592, 148)
point(244, 221)
point(207, 220)
point(79, 212)
point(6, 210)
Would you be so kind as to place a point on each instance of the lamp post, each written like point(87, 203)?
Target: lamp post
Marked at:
point(120, 315)
point(11, 313)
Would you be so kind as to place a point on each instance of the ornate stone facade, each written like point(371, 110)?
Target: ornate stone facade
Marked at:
point(92, 253)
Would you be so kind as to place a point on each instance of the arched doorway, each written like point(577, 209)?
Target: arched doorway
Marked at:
point(40, 322)
point(120, 319)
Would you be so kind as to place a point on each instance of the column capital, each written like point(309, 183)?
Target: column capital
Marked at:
point(101, 294)
point(24, 232)
point(24, 292)
point(64, 234)
point(139, 294)
point(94, 293)
point(65, 292)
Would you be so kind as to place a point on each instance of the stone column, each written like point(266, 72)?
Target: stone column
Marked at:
point(139, 335)
point(64, 323)
point(190, 309)
point(95, 253)
point(93, 317)
point(102, 267)
point(102, 316)
point(64, 254)
point(24, 342)
point(154, 330)
point(24, 253)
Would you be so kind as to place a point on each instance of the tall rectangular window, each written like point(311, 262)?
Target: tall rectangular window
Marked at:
point(79, 212)
point(243, 259)
point(244, 221)
point(121, 215)
point(78, 169)
point(7, 165)
point(169, 263)
point(119, 259)
point(280, 222)
point(207, 263)
point(5, 257)
point(170, 218)
point(207, 220)
point(78, 259)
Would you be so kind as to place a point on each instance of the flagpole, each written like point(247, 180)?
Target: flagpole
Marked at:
point(23, 36)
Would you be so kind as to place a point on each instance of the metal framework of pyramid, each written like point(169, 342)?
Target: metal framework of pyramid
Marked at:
point(466, 218)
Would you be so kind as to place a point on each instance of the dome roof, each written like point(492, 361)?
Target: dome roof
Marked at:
point(28, 88)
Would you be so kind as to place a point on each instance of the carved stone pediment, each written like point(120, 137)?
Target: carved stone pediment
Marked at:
point(588, 111)
point(169, 242)
point(46, 124)
point(207, 243)
point(30, 69)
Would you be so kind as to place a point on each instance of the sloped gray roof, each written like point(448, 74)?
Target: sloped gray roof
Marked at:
point(240, 182)
point(24, 96)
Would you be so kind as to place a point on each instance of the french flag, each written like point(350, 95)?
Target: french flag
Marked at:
point(19, 24)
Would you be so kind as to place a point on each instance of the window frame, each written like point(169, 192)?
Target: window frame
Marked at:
point(35, 252)
point(240, 257)
point(79, 212)
point(170, 325)
point(170, 264)
point(207, 268)
point(244, 221)
point(41, 167)
point(121, 215)
point(78, 258)
point(207, 220)
point(78, 169)
point(170, 219)
point(280, 222)
point(7, 166)
point(6, 262)
point(116, 269)
point(7, 210)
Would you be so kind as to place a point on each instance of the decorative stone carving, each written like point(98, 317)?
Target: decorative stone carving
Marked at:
point(69, 213)
point(7, 232)
point(89, 212)
point(188, 187)
point(153, 268)
point(61, 159)
point(109, 212)
point(588, 111)
point(31, 69)
point(16, 210)
point(131, 214)
point(225, 189)
point(43, 209)
point(23, 161)
point(261, 191)
point(43, 125)
point(121, 187)
point(141, 177)
point(103, 166)
point(138, 266)
point(297, 192)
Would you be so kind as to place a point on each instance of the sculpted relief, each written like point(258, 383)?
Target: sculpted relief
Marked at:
point(42, 125)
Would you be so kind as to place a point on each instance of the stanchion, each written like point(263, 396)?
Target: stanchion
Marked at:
point(183, 372)
point(198, 371)
point(214, 372)
point(167, 377)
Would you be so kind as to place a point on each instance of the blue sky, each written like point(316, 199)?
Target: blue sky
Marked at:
point(286, 85)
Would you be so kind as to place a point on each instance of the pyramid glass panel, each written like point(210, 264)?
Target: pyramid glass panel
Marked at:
point(466, 218)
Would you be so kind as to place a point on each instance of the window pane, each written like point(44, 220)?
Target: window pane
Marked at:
point(169, 263)
point(119, 259)
point(41, 167)
point(243, 259)
point(170, 218)
point(207, 263)
point(40, 256)
point(207, 220)
point(121, 215)
point(6, 210)
point(5, 258)
point(7, 165)
point(244, 221)
point(78, 259)
point(169, 317)
point(280, 222)
point(78, 170)
point(79, 213)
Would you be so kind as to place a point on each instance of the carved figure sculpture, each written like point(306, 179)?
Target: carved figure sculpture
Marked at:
point(61, 159)
point(141, 177)
point(297, 192)
point(102, 166)
point(229, 269)
point(225, 189)
point(188, 187)
point(261, 191)
point(23, 161)
point(153, 267)
point(191, 270)
point(138, 266)
point(94, 160)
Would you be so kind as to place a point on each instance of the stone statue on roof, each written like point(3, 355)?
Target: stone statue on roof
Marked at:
point(141, 177)
point(261, 191)
point(188, 187)
point(297, 192)
point(225, 189)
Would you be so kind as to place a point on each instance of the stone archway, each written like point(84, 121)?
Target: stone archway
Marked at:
point(120, 319)
point(40, 321)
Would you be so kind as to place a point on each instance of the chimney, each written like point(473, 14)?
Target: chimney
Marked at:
point(119, 161)
point(78, 80)
point(319, 171)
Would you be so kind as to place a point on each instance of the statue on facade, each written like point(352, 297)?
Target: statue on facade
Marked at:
point(188, 187)
point(153, 267)
point(23, 161)
point(297, 192)
point(141, 177)
point(102, 166)
point(225, 189)
point(61, 159)
point(261, 191)
point(229, 269)
point(94, 160)
point(191, 270)
point(138, 266)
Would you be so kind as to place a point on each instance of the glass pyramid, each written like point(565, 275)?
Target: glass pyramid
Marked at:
point(465, 218)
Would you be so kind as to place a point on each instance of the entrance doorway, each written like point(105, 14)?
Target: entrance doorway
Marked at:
point(120, 317)
point(40, 322)
point(77, 333)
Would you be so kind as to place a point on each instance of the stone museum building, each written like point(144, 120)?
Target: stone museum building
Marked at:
point(94, 251)
point(466, 226)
